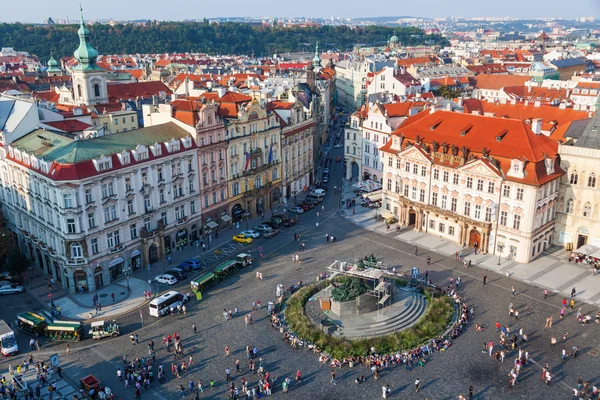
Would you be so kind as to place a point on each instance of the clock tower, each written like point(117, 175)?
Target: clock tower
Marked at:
point(89, 80)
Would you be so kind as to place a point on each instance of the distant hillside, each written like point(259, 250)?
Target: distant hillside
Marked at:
point(225, 38)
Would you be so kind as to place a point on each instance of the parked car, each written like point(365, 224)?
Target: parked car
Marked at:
point(242, 239)
point(309, 203)
point(326, 171)
point(305, 207)
point(252, 233)
point(262, 228)
point(275, 219)
point(322, 187)
point(325, 178)
point(271, 233)
point(297, 210)
point(287, 220)
point(338, 145)
point(166, 279)
point(271, 225)
point(11, 289)
point(177, 273)
point(191, 264)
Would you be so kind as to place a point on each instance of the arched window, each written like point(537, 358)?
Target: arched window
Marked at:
point(569, 207)
point(76, 251)
point(574, 178)
point(587, 210)
point(79, 90)
point(96, 90)
point(592, 180)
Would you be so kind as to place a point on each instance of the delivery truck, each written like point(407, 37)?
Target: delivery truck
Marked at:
point(8, 342)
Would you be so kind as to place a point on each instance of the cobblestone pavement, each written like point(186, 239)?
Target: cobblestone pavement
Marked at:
point(445, 376)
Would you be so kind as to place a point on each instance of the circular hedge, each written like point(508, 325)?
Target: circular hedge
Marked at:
point(440, 311)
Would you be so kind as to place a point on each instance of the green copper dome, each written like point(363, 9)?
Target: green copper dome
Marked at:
point(53, 65)
point(85, 53)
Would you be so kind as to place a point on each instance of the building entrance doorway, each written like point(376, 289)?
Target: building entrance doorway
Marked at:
point(412, 217)
point(474, 237)
point(581, 240)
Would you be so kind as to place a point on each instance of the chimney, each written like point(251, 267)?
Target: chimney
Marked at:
point(537, 103)
point(536, 125)
point(448, 106)
point(513, 101)
point(221, 91)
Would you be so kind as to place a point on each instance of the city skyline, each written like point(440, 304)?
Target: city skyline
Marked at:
point(181, 10)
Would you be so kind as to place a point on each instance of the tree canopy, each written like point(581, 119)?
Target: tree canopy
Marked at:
point(224, 38)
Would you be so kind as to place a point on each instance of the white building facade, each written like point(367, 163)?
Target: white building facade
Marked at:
point(89, 212)
point(444, 175)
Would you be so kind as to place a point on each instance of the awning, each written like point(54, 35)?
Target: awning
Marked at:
point(587, 249)
point(212, 224)
point(225, 218)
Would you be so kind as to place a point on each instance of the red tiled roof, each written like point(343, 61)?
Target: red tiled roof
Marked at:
point(481, 132)
point(230, 102)
point(495, 81)
point(130, 91)
point(70, 126)
point(50, 96)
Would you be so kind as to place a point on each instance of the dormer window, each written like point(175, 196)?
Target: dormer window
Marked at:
point(103, 164)
point(549, 166)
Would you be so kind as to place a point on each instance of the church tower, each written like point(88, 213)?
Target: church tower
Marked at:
point(317, 60)
point(89, 80)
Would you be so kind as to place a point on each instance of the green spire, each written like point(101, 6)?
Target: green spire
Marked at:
point(85, 53)
point(317, 59)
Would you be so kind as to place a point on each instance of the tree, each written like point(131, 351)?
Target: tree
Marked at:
point(16, 262)
point(50, 21)
point(447, 92)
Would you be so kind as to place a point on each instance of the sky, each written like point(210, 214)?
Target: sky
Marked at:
point(40, 10)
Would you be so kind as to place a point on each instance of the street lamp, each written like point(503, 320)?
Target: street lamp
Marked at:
point(247, 215)
point(500, 248)
point(127, 269)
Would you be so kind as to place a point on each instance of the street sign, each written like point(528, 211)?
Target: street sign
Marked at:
point(54, 360)
point(415, 273)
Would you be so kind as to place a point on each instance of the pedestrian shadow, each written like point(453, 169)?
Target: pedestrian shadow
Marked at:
point(429, 383)
point(399, 390)
point(481, 394)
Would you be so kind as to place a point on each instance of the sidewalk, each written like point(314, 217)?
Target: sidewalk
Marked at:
point(64, 390)
point(551, 270)
point(80, 306)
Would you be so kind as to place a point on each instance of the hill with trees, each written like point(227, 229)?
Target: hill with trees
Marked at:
point(224, 38)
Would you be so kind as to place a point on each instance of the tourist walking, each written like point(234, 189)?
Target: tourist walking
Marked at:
point(417, 385)
point(545, 294)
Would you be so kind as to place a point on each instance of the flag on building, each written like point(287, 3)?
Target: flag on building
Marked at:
point(247, 165)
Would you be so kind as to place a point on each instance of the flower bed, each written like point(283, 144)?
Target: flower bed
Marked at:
point(439, 315)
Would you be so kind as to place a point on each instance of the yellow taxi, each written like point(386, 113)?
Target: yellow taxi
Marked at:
point(243, 239)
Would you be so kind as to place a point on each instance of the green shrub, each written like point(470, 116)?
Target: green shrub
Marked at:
point(435, 322)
